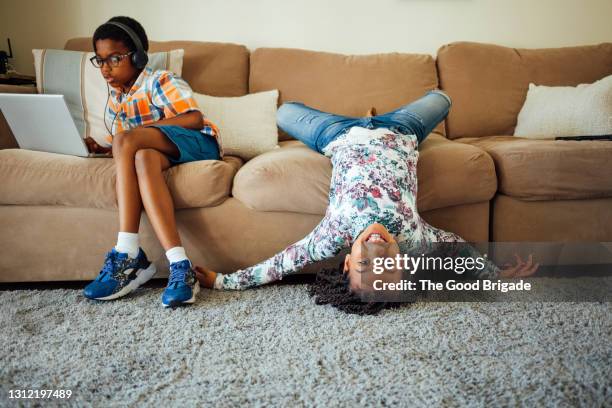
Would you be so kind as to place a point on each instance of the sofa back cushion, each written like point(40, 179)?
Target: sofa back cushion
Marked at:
point(343, 84)
point(217, 69)
point(488, 83)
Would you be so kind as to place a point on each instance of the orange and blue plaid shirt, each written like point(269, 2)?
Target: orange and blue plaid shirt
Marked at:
point(155, 95)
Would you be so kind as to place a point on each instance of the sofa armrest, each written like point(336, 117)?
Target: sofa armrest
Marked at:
point(7, 140)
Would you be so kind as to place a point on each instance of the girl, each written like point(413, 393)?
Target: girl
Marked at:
point(372, 197)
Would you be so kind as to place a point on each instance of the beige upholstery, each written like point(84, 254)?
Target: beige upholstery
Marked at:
point(38, 178)
point(548, 169)
point(292, 178)
point(225, 237)
point(547, 190)
point(343, 84)
point(546, 221)
point(488, 83)
point(295, 178)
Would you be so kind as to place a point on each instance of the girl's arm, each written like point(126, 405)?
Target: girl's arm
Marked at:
point(448, 244)
point(322, 243)
point(439, 243)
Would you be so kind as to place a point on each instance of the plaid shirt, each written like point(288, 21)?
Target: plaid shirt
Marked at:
point(155, 95)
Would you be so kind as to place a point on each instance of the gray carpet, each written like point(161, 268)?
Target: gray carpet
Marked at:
point(274, 347)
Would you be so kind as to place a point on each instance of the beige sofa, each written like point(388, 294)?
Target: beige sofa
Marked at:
point(547, 190)
point(58, 214)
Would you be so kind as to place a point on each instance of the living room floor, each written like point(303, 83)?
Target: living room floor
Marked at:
point(274, 346)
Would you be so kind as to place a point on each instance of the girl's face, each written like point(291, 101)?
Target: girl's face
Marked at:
point(124, 74)
point(374, 242)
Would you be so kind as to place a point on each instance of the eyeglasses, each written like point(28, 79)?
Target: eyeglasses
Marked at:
point(112, 61)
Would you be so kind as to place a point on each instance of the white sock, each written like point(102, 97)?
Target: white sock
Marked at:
point(128, 243)
point(176, 254)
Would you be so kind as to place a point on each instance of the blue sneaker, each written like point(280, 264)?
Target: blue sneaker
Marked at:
point(119, 276)
point(182, 285)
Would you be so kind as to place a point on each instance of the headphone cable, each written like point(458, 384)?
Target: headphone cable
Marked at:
point(110, 131)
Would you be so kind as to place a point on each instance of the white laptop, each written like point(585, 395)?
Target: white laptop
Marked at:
point(43, 123)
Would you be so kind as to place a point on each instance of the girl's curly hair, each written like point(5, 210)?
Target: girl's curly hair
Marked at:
point(331, 287)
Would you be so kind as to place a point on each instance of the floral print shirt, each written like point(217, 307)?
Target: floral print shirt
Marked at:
point(374, 179)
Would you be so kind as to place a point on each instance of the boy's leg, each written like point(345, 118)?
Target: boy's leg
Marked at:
point(155, 195)
point(124, 271)
point(316, 129)
point(125, 146)
point(137, 153)
point(419, 117)
point(158, 149)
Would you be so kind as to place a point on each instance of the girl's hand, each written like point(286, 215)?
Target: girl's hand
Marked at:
point(206, 277)
point(94, 147)
point(521, 269)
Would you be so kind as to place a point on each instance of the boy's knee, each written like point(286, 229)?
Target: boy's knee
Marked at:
point(121, 141)
point(129, 141)
point(144, 158)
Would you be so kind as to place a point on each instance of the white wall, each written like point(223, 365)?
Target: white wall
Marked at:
point(347, 26)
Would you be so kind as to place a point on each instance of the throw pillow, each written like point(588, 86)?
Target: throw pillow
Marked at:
point(70, 73)
point(247, 124)
point(583, 110)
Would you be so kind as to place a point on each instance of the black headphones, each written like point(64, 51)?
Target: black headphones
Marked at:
point(139, 57)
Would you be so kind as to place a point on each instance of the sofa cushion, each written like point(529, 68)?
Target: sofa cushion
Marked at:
point(547, 169)
point(343, 84)
point(247, 124)
point(488, 83)
point(39, 178)
point(296, 179)
point(291, 178)
point(217, 69)
point(567, 110)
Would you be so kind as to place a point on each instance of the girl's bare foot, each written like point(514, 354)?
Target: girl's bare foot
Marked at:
point(206, 277)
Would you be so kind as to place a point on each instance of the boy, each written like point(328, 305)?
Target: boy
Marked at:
point(155, 123)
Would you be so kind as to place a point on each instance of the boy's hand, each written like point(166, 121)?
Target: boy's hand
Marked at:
point(94, 147)
point(206, 277)
point(521, 269)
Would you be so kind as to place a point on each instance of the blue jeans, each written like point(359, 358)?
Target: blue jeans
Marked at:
point(317, 129)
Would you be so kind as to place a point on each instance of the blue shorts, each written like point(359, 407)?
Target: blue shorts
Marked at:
point(192, 144)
